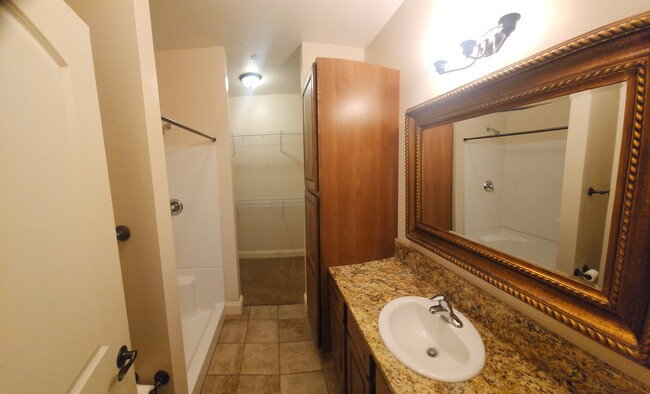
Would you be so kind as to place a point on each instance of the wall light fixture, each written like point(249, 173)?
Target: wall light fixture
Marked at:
point(250, 80)
point(488, 45)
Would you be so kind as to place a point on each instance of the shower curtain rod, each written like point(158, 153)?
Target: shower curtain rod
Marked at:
point(182, 126)
point(517, 133)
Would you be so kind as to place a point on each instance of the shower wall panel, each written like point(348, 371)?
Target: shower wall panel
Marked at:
point(192, 176)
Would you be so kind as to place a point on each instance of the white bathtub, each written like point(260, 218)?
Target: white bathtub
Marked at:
point(524, 246)
point(202, 319)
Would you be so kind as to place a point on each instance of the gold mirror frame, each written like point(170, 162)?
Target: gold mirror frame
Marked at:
point(618, 315)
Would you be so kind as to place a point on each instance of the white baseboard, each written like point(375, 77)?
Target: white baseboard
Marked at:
point(235, 308)
point(269, 254)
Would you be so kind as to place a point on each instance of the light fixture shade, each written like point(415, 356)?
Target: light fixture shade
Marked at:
point(489, 44)
point(250, 80)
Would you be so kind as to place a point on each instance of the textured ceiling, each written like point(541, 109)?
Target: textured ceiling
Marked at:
point(270, 29)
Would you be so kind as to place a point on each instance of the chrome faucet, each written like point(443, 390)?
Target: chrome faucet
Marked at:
point(439, 307)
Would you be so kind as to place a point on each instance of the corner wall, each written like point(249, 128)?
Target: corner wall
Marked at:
point(193, 91)
point(414, 38)
point(309, 51)
point(128, 97)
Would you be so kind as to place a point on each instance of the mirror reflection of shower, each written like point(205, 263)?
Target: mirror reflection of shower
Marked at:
point(555, 163)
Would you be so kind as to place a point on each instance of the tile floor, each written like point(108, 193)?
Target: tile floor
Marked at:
point(269, 349)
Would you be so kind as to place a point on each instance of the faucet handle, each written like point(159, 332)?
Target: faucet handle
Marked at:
point(438, 298)
point(453, 318)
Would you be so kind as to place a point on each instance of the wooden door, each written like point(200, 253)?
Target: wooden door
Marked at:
point(61, 297)
point(437, 185)
point(312, 257)
point(310, 131)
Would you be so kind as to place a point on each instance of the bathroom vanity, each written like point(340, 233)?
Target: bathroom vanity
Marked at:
point(521, 356)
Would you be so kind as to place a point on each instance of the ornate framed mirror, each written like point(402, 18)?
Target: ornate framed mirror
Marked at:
point(536, 179)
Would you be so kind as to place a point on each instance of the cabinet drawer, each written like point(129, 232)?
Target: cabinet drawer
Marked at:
point(359, 342)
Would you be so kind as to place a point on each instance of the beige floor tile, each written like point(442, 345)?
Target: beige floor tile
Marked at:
point(220, 384)
point(262, 331)
point(293, 311)
point(299, 357)
point(294, 330)
point(233, 331)
point(259, 384)
point(264, 312)
point(226, 359)
point(245, 313)
point(312, 383)
point(334, 381)
point(260, 359)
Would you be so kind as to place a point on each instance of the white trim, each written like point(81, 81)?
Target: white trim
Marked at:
point(235, 308)
point(198, 368)
point(267, 254)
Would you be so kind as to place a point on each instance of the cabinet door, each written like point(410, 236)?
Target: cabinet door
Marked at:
point(313, 310)
point(337, 328)
point(312, 257)
point(357, 381)
point(310, 130)
point(381, 386)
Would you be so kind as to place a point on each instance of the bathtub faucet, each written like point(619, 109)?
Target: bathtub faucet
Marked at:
point(444, 306)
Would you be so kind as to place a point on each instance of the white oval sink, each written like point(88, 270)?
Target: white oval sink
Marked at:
point(410, 331)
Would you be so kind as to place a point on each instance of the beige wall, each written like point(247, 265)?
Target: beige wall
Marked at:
point(309, 51)
point(269, 175)
point(193, 91)
point(128, 97)
point(418, 34)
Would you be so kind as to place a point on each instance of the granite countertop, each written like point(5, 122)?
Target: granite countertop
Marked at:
point(521, 356)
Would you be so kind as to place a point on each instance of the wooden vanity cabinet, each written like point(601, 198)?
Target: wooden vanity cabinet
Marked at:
point(351, 131)
point(357, 380)
point(338, 330)
point(350, 352)
point(360, 365)
point(381, 386)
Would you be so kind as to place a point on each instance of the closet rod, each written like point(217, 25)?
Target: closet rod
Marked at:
point(518, 133)
point(182, 126)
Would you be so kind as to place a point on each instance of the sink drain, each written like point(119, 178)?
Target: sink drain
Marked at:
point(431, 352)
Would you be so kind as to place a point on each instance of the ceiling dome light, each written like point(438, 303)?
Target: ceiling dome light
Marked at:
point(250, 80)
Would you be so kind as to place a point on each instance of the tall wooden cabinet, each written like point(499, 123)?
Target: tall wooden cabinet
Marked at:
point(351, 128)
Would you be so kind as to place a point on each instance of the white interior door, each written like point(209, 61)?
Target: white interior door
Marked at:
point(62, 311)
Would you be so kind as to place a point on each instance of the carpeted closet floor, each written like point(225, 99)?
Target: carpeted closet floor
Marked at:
point(273, 281)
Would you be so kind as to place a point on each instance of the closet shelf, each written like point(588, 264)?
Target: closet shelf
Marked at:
point(270, 203)
point(280, 134)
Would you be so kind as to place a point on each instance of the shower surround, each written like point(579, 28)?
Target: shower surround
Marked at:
point(192, 177)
